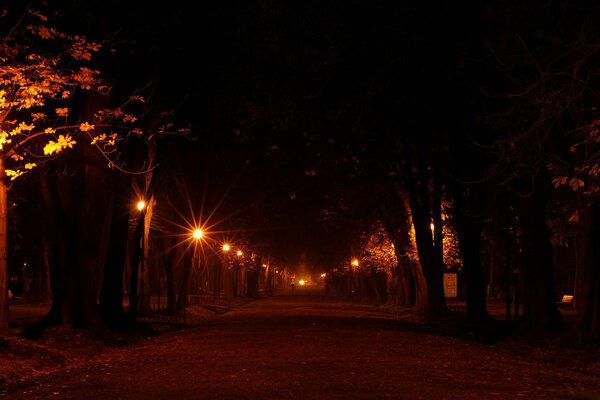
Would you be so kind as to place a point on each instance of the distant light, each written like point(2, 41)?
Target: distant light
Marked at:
point(355, 262)
point(141, 205)
point(264, 265)
point(432, 226)
point(239, 253)
point(301, 282)
point(198, 234)
point(567, 299)
point(323, 275)
point(225, 247)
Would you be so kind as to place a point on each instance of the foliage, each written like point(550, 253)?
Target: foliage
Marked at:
point(44, 75)
point(378, 252)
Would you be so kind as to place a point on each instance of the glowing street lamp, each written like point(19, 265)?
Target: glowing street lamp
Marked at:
point(355, 262)
point(239, 253)
point(197, 234)
point(141, 205)
point(226, 247)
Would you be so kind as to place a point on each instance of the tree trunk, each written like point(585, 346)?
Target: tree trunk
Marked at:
point(3, 253)
point(111, 293)
point(78, 206)
point(429, 258)
point(587, 278)
point(540, 310)
point(468, 207)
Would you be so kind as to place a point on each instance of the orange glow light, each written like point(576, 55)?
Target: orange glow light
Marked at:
point(226, 247)
point(239, 253)
point(198, 234)
point(141, 205)
point(355, 262)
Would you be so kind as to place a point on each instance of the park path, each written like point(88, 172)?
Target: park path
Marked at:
point(307, 347)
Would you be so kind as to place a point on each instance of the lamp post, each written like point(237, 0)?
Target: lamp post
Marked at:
point(353, 264)
point(236, 273)
point(141, 206)
point(197, 235)
point(218, 271)
point(138, 256)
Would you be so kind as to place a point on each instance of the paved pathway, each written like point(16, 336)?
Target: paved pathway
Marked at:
point(307, 347)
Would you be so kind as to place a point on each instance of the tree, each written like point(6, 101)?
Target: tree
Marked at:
point(45, 108)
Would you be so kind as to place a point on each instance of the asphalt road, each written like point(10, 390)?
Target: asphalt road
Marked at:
point(307, 347)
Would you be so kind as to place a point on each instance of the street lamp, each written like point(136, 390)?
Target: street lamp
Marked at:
point(138, 264)
point(355, 262)
point(239, 253)
point(226, 247)
point(197, 235)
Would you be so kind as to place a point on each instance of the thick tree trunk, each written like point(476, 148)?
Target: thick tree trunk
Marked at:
point(468, 207)
point(111, 292)
point(3, 254)
point(430, 259)
point(398, 225)
point(78, 206)
point(587, 275)
point(540, 310)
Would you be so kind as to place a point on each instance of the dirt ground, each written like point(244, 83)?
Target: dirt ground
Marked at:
point(295, 347)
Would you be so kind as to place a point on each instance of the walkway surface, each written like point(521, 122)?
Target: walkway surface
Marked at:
point(306, 347)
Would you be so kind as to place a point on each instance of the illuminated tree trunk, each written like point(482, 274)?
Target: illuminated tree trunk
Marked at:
point(425, 205)
point(411, 289)
point(3, 253)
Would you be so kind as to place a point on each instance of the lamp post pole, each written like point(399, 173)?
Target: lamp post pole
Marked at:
point(142, 209)
point(197, 235)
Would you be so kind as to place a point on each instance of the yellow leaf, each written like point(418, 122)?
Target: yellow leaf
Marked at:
point(84, 127)
point(30, 165)
point(13, 174)
point(62, 143)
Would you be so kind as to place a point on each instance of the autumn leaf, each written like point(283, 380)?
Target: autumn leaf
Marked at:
point(62, 112)
point(574, 217)
point(61, 144)
point(576, 183)
point(85, 127)
point(13, 174)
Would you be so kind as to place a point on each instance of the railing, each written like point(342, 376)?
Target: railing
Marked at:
point(160, 313)
point(214, 302)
